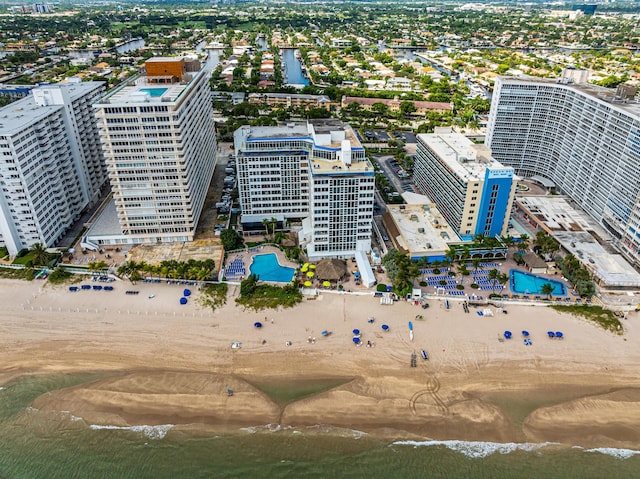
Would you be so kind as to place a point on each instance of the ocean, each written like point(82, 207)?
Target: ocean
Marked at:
point(35, 444)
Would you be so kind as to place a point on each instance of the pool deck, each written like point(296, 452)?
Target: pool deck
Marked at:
point(247, 257)
point(504, 266)
point(348, 282)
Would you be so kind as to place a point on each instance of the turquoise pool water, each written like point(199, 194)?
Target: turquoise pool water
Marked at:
point(154, 92)
point(527, 283)
point(267, 268)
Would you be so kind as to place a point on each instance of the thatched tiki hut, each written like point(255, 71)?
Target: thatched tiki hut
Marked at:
point(331, 269)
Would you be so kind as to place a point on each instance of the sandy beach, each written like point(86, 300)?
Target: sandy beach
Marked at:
point(171, 364)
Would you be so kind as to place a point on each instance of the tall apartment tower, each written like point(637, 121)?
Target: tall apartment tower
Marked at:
point(585, 139)
point(51, 165)
point(159, 144)
point(472, 191)
point(314, 173)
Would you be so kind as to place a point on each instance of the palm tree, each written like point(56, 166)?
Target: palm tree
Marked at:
point(494, 276)
point(101, 266)
point(524, 243)
point(547, 288)
point(39, 254)
point(477, 264)
point(503, 278)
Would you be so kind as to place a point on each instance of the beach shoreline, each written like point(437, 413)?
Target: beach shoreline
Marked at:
point(166, 363)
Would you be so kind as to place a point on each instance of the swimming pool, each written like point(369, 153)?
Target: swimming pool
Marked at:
point(522, 282)
point(154, 92)
point(267, 268)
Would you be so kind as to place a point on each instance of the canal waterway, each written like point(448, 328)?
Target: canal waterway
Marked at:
point(293, 68)
point(131, 45)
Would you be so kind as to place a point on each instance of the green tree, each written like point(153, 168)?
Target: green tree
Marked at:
point(248, 286)
point(40, 257)
point(407, 107)
point(231, 240)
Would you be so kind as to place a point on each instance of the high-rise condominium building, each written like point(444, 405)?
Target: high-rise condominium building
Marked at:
point(472, 191)
point(584, 139)
point(314, 173)
point(159, 144)
point(51, 164)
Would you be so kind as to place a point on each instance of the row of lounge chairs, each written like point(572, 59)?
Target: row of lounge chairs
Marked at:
point(88, 287)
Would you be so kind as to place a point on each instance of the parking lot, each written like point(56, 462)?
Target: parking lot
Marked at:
point(209, 224)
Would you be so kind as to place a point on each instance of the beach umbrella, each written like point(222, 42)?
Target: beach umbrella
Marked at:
point(507, 334)
point(356, 274)
point(385, 327)
point(183, 300)
point(326, 284)
point(551, 334)
point(257, 324)
point(389, 287)
point(525, 333)
point(306, 265)
point(304, 269)
point(307, 284)
point(356, 331)
point(356, 340)
point(312, 266)
point(186, 292)
point(310, 274)
point(559, 334)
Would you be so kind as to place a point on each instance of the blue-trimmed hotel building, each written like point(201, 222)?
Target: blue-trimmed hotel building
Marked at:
point(472, 191)
point(313, 175)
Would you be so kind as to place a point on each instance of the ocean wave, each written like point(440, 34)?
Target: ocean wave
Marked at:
point(478, 449)
point(266, 428)
point(341, 431)
point(152, 432)
point(615, 452)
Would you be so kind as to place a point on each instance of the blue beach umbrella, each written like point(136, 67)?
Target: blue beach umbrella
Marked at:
point(525, 333)
point(385, 327)
point(356, 340)
point(356, 331)
point(186, 292)
point(507, 334)
point(183, 300)
point(551, 334)
point(559, 334)
point(257, 324)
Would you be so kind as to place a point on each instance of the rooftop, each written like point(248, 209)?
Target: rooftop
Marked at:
point(604, 94)
point(556, 213)
point(469, 161)
point(17, 116)
point(326, 133)
point(611, 269)
point(422, 229)
point(106, 224)
point(141, 90)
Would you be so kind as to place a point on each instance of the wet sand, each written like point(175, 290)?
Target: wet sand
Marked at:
point(170, 364)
